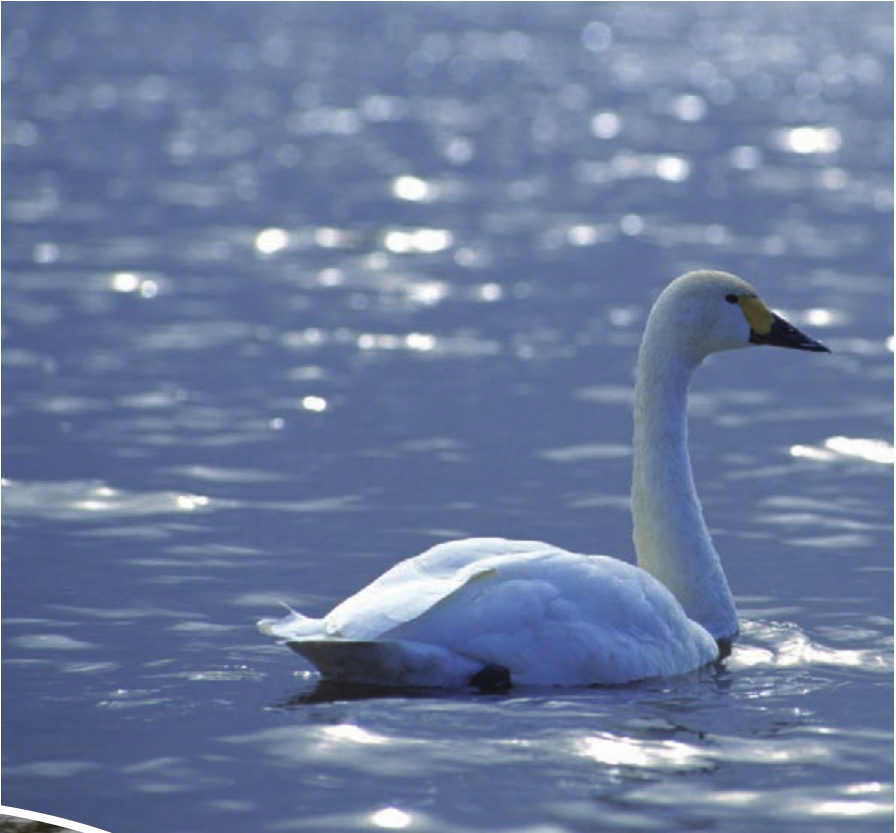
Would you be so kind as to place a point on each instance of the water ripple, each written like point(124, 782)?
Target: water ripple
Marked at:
point(82, 500)
point(785, 645)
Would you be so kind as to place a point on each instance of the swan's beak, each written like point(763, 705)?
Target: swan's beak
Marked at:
point(780, 333)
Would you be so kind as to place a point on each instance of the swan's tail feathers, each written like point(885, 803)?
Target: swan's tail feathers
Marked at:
point(388, 663)
point(291, 626)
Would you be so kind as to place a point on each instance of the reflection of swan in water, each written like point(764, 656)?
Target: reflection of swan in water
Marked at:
point(489, 611)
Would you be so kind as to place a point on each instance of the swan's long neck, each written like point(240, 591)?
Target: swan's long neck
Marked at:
point(671, 538)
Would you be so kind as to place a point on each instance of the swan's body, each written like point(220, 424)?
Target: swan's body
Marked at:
point(544, 616)
point(547, 615)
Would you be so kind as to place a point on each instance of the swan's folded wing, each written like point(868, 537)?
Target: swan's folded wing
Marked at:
point(411, 588)
point(375, 610)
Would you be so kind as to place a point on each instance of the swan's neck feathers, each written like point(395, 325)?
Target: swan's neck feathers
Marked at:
point(670, 534)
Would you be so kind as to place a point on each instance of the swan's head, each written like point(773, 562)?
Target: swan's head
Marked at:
point(705, 312)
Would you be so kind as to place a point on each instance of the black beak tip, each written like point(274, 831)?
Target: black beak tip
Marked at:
point(783, 334)
point(813, 345)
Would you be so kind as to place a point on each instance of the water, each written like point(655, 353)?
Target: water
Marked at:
point(292, 291)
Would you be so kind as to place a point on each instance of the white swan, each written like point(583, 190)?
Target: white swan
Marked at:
point(490, 612)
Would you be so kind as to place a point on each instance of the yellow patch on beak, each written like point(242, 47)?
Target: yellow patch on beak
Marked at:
point(757, 314)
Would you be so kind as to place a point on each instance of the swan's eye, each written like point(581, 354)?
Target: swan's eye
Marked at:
point(731, 298)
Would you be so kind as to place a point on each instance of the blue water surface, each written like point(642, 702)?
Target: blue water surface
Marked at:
point(293, 291)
